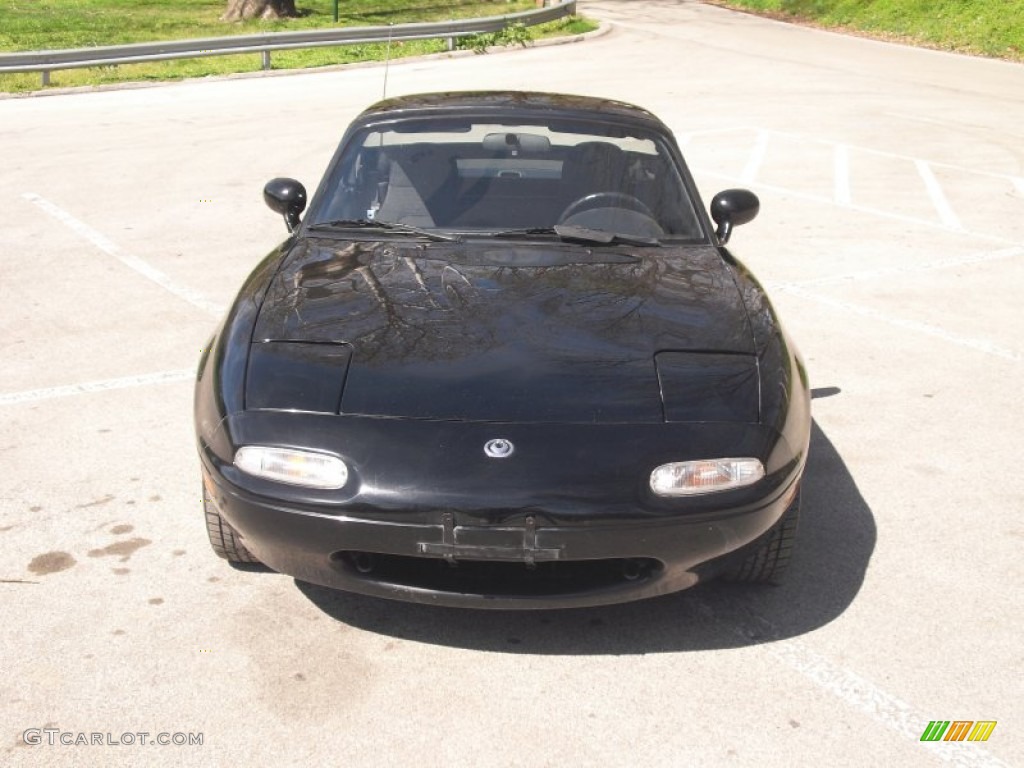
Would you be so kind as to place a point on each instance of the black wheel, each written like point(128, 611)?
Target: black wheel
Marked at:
point(605, 200)
point(767, 563)
point(223, 538)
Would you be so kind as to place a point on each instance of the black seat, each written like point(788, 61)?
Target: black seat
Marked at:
point(593, 166)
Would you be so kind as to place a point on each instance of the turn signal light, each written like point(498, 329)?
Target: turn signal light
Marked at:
point(295, 467)
point(689, 478)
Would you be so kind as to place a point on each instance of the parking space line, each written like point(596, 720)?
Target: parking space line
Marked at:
point(930, 223)
point(842, 196)
point(852, 689)
point(805, 139)
point(105, 385)
point(860, 694)
point(937, 196)
point(86, 232)
point(845, 158)
point(930, 266)
point(756, 158)
point(978, 345)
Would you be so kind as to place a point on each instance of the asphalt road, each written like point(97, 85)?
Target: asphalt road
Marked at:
point(892, 239)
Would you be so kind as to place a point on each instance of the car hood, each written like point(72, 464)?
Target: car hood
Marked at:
point(506, 332)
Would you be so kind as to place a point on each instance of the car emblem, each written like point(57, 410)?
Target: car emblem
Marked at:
point(499, 449)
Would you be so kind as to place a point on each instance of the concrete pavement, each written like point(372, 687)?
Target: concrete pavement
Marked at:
point(891, 238)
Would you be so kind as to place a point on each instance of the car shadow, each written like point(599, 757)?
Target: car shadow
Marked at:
point(836, 538)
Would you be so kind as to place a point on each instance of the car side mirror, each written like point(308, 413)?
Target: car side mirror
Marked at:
point(731, 208)
point(287, 197)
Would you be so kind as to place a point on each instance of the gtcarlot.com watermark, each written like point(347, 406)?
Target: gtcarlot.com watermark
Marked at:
point(55, 737)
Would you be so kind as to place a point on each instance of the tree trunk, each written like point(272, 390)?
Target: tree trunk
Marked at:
point(259, 9)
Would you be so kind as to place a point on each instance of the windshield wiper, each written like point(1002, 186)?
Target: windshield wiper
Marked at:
point(571, 232)
point(388, 226)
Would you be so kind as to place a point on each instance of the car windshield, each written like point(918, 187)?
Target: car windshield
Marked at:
point(500, 178)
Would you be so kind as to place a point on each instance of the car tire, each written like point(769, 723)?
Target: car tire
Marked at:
point(223, 538)
point(768, 563)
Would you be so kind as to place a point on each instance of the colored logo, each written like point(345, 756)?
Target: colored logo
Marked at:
point(958, 730)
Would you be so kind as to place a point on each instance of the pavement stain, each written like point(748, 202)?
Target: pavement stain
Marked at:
point(51, 562)
point(123, 549)
point(275, 658)
point(156, 601)
point(122, 528)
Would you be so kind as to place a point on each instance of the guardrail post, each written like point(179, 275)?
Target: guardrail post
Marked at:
point(451, 43)
point(46, 77)
point(265, 56)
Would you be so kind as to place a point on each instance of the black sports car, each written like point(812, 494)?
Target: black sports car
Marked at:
point(504, 360)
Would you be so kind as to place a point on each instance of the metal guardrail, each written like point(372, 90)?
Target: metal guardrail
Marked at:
point(47, 61)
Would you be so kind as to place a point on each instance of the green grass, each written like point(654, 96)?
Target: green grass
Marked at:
point(983, 27)
point(55, 24)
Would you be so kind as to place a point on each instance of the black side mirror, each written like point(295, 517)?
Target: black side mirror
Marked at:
point(287, 197)
point(731, 208)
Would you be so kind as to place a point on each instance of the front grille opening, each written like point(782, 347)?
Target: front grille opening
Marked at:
point(505, 579)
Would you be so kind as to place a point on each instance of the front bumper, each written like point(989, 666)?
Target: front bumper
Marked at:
point(520, 559)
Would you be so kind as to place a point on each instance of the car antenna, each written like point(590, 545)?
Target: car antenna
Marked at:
point(371, 212)
point(387, 61)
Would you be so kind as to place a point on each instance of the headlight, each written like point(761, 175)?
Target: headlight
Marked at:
point(689, 478)
point(288, 465)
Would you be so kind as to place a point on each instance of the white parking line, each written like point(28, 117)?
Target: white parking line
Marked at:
point(978, 345)
point(811, 197)
point(842, 196)
point(856, 691)
point(845, 158)
point(805, 139)
point(938, 197)
point(891, 711)
point(756, 158)
point(34, 395)
point(194, 298)
point(930, 266)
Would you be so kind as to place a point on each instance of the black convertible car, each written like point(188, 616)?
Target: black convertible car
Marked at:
point(504, 360)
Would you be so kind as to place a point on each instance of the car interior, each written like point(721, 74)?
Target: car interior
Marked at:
point(514, 180)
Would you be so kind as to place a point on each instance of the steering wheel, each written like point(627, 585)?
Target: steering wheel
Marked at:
point(605, 200)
